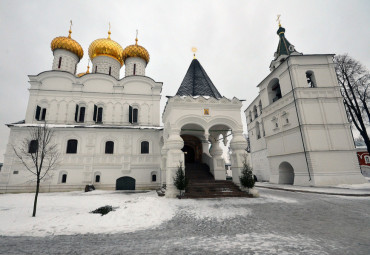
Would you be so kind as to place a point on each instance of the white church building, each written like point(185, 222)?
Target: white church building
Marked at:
point(298, 128)
point(108, 129)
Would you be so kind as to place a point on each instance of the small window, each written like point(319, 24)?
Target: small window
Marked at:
point(154, 177)
point(40, 113)
point(134, 69)
point(258, 131)
point(64, 178)
point(109, 147)
point(60, 62)
point(144, 147)
point(98, 114)
point(311, 79)
point(255, 114)
point(276, 124)
point(72, 146)
point(133, 114)
point(110, 70)
point(33, 146)
point(15, 172)
point(80, 113)
point(96, 69)
point(97, 178)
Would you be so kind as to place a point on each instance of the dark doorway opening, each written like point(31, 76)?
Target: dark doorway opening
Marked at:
point(125, 183)
point(192, 149)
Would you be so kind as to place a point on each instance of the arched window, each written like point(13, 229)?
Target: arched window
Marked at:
point(258, 133)
point(255, 115)
point(310, 76)
point(33, 146)
point(274, 91)
point(250, 116)
point(109, 147)
point(40, 113)
point(98, 114)
point(72, 146)
point(80, 113)
point(133, 114)
point(144, 147)
point(97, 178)
point(154, 176)
point(260, 107)
point(64, 178)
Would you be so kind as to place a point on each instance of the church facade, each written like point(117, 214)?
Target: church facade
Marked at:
point(108, 130)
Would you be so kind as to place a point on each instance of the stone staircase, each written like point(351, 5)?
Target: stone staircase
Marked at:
point(203, 185)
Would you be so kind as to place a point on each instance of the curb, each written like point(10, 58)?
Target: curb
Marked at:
point(317, 192)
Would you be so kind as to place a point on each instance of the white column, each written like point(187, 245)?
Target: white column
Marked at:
point(164, 151)
point(175, 156)
point(239, 154)
point(218, 163)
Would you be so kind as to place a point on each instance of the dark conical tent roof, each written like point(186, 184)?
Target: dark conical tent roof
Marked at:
point(197, 83)
point(284, 47)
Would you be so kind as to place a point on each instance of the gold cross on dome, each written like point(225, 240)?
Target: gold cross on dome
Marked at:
point(278, 19)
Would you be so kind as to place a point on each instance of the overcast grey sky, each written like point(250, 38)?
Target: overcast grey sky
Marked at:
point(236, 39)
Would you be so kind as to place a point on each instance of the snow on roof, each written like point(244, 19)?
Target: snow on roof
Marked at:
point(85, 126)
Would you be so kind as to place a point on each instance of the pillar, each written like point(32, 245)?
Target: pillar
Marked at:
point(239, 154)
point(218, 163)
point(175, 157)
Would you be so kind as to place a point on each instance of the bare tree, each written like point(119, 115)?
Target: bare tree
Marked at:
point(38, 154)
point(354, 80)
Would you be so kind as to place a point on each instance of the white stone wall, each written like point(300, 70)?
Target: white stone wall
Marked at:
point(101, 64)
point(60, 92)
point(140, 66)
point(90, 159)
point(68, 63)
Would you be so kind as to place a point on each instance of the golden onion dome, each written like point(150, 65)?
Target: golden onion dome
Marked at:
point(135, 51)
point(67, 43)
point(106, 47)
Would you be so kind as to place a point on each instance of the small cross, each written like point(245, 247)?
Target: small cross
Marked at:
point(278, 19)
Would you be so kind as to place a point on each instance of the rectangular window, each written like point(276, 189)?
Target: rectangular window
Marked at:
point(130, 114)
point(100, 115)
point(135, 115)
point(134, 69)
point(110, 70)
point(82, 114)
point(40, 113)
point(60, 62)
point(15, 172)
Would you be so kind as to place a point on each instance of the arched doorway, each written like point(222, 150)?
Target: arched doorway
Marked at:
point(286, 173)
point(125, 183)
point(192, 149)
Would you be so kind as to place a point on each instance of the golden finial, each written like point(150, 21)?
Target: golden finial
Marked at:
point(109, 31)
point(194, 49)
point(88, 66)
point(70, 30)
point(278, 19)
point(137, 32)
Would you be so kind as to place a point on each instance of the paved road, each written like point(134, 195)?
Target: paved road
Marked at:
point(314, 224)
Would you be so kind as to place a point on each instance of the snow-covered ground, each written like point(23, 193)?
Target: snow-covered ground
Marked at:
point(68, 213)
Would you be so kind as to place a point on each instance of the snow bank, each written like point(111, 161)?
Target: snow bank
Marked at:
point(68, 213)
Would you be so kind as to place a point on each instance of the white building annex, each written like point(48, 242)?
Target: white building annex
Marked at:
point(297, 125)
point(108, 129)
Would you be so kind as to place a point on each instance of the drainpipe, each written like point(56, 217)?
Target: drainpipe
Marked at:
point(299, 121)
